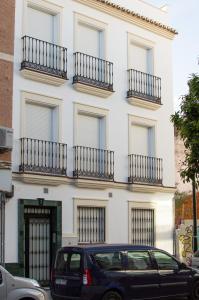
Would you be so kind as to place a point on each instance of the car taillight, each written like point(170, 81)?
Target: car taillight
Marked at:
point(87, 277)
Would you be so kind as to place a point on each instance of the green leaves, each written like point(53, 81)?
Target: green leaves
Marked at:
point(186, 121)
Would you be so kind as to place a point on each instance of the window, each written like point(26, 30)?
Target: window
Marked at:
point(138, 260)
point(165, 262)
point(142, 226)
point(68, 263)
point(94, 44)
point(91, 224)
point(108, 261)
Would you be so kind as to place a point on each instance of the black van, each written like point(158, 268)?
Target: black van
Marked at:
point(120, 272)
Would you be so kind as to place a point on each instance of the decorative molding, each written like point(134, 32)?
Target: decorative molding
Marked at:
point(41, 77)
point(93, 184)
point(143, 188)
point(131, 16)
point(143, 103)
point(84, 88)
point(44, 179)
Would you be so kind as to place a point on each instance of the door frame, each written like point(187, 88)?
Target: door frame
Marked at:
point(57, 226)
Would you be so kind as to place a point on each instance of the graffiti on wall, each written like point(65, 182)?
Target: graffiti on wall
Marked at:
point(185, 243)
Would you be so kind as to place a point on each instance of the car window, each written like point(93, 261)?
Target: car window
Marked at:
point(165, 262)
point(75, 263)
point(61, 264)
point(138, 260)
point(67, 263)
point(111, 261)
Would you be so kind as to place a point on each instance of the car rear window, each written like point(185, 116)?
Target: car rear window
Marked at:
point(110, 261)
point(139, 260)
point(68, 263)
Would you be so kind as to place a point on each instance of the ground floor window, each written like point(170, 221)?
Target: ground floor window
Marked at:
point(142, 226)
point(91, 224)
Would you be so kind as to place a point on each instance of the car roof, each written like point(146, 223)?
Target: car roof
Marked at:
point(108, 247)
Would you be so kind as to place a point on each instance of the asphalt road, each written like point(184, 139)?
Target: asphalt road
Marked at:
point(175, 299)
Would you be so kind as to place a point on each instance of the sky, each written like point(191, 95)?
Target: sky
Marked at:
point(184, 18)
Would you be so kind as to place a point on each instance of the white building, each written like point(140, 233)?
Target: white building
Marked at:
point(114, 181)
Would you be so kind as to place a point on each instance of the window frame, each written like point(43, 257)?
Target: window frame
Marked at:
point(42, 100)
point(47, 7)
point(86, 202)
point(94, 24)
point(140, 205)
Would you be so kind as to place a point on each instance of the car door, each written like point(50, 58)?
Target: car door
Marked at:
point(142, 278)
point(68, 274)
point(174, 279)
point(2, 285)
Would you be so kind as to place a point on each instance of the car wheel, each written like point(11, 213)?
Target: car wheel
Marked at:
point(112, 295)
point(195, 291)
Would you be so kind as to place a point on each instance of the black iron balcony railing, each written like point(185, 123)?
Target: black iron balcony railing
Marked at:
point(144, 86)
point(44, 57)
point(92, 162)
point(41, 156)
point(93, 71)
point(145, 169)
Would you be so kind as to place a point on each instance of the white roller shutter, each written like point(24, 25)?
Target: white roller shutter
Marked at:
point(88, 131)
point(38, 122)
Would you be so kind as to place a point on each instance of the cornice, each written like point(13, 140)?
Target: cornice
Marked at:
point(131, 16)
point(31, 178)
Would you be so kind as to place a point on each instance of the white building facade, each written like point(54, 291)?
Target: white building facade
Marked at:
point(93, 158)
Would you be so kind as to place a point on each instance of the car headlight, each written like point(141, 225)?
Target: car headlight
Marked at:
point(35, 283)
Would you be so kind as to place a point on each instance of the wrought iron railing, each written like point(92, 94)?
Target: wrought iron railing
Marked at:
point(92, 162)
point(144, 86)
point(145, 169)
point(93, 71)
point(41, 156)
point(44, 57)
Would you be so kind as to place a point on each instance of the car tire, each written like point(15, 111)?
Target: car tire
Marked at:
point(195, 292)
point(112, 295)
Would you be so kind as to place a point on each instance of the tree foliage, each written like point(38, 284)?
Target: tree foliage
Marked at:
point(186, 121)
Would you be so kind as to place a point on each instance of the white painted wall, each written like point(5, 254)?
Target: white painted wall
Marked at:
point(118, 131)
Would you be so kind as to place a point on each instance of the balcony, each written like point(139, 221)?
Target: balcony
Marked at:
point(93, 75)
point(43, 157)
point(43, 61)
point(144, 89)
point(93, 163)
point(145, 170)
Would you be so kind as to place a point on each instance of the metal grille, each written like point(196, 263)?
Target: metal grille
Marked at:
point(91, 224)
point(144, 86)
point(44, 57)
point(92, 162)
point(93, 71)
point(2, 228)
point(43, 156)
point(38, 244)
point(145, 169)
point(142, 227)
